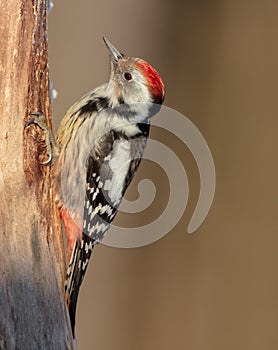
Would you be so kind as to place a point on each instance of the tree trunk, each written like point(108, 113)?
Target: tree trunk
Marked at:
point(33, 314)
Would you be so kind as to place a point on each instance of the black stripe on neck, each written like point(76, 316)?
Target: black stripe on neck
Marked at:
point(94, 105)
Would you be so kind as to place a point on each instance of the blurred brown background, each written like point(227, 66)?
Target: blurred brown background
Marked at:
point(218, 288)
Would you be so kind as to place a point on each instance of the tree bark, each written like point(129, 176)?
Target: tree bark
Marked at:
point(33, 314)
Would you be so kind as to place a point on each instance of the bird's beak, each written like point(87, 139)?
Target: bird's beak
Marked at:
point(114, 53)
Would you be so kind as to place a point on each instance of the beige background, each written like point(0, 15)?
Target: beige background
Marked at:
point(216, 289)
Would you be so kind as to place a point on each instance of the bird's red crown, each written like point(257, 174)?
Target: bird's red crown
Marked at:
point(155, 82)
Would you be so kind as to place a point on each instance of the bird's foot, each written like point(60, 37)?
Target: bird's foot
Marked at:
point(52, 148)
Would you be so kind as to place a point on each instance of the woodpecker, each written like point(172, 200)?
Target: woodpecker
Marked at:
point(101, 141)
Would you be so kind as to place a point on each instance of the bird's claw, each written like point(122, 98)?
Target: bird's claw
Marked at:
point(40, 120)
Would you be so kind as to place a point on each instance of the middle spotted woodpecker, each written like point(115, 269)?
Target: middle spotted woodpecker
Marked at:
point(101, 141)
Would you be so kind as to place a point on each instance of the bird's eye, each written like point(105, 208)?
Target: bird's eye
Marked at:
point(127, 76)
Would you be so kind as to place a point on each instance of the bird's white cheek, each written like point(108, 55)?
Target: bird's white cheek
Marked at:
point(136, 92)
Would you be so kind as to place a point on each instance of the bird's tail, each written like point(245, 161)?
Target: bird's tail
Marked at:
point(75, 274)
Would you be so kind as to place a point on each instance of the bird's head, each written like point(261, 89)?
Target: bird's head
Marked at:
point(133, 80)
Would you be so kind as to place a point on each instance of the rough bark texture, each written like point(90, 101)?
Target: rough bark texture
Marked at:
point(32, 310)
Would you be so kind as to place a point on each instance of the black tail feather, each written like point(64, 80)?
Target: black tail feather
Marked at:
point(75, 274)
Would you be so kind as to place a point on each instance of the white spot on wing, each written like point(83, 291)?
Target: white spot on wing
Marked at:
point(91, 231)
point(90, 210)
point(86, 248)
point(95, 194)
point(106, 209)
point(92, 215)
point(100, 227)
point(85, 263)
point(108, 157)
point(100, 184)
